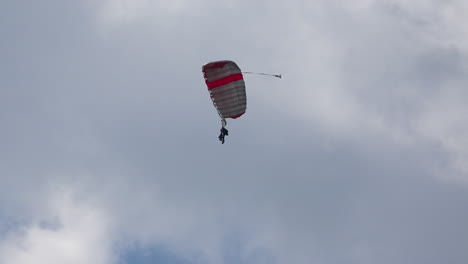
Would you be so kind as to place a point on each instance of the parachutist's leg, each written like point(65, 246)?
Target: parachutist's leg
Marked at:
point(221, 138)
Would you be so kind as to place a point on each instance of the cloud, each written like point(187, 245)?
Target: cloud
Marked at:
point(380, 69)
point(73, 232)
point(115, 13)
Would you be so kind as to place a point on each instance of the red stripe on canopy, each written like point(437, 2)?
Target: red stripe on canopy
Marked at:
point(224, 81)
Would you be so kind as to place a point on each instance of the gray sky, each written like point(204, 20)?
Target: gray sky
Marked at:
point(109, 150)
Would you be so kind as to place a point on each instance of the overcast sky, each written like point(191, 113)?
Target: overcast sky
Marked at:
point(108, 142)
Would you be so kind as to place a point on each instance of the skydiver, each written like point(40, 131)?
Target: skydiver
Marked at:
point(224, 132)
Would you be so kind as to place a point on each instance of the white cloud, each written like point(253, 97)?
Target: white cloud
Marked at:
point(392, 69)
point(114, 13)
point(74, 232)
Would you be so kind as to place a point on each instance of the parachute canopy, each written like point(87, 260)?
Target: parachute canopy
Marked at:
point(227, 88)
